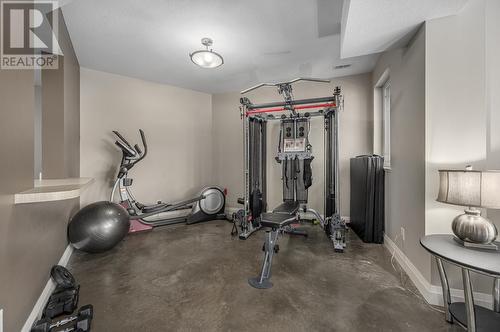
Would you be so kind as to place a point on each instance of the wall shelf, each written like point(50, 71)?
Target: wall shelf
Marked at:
point(53, 190)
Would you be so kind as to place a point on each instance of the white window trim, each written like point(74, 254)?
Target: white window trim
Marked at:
point(386, 124)
point(381, 122)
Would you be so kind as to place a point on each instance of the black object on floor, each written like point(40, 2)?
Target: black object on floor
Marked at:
point(62, 277)
point(80, 322)
point(367, 198)
point(62, 302)
point(64, 299)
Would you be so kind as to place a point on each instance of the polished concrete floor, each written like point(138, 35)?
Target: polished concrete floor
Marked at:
point(194, 278)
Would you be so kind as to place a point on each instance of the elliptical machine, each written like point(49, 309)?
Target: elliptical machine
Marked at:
point(208, 205)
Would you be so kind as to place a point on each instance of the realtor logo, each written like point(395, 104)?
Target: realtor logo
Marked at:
point(29, 35)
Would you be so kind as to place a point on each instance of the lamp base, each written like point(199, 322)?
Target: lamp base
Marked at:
point(473, 228)
point(489, 246)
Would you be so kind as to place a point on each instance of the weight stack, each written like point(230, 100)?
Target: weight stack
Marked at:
point(368, 198)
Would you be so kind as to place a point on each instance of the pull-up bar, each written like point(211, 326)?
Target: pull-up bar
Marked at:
point(285, 83)
point(281, 109)
point(329, 99)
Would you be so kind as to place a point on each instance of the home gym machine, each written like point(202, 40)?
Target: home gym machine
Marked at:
point(295, 155)
point(208, 205)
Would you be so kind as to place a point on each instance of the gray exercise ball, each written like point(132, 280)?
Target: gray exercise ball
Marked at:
point(98, 227)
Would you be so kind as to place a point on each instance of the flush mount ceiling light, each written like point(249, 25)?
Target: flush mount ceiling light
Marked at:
point(207, 58)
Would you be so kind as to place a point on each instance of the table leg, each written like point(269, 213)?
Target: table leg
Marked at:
point(496, 295)
point(469, 301)
point(446, 290)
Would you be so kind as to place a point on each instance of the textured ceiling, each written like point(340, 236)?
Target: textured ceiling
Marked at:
point(370, 26)
point(260, 40)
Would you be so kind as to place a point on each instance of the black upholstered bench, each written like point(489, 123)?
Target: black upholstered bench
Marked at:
point(287, 207)
point(276, 220)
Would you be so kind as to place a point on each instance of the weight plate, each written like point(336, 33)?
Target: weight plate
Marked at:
point(62, 277)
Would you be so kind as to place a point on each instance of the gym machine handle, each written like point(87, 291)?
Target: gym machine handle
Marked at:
point(137, 148)
point(144, 144)
point(241, 200)
point(122, 138)
point(126, 149)
point(330, 99)
point(285, 83)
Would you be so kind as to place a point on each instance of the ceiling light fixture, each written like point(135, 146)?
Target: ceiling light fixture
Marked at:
point(207, 58)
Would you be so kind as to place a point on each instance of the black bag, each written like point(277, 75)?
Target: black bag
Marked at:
point(367, 198)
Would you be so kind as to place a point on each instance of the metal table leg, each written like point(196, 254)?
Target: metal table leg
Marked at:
point(496, 295)
point(469, 301)
point(446, 290)
point(263, 281)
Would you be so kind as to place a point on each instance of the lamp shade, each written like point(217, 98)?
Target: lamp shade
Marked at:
point(470, 188)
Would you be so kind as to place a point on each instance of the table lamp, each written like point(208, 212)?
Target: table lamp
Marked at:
point(474, 189)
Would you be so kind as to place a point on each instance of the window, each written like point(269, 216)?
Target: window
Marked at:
point(386, 123)
point(382, 118)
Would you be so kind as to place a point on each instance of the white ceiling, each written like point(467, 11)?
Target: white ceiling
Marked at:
point(370, 26)
point(260, 40)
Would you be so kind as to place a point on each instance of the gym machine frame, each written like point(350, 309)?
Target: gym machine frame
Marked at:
point(255, 118)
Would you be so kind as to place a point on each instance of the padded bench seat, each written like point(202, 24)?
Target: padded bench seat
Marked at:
point(288, 207)
point(276, 220)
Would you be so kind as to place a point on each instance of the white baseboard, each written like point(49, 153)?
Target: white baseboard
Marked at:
point(47, 291)
point(432, 294)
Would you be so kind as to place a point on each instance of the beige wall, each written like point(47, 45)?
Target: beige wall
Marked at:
point(456, 113)
point(405, 187)
point(60, 116)
point(355, 138)
point(493, 91)
point(443, 110)
point(71, 108)
point(53, 122)
point(178, 127)
point(443, 107)
point(32, 236)
point(463, 80)
point(61, 113)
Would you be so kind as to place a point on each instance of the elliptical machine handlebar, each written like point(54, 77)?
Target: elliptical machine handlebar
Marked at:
point(122, 139)
point(134, 154)
point(144, 145)
point(137, 148)
point(131, 153)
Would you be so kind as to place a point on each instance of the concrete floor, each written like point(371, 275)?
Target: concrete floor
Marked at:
point(194, 278)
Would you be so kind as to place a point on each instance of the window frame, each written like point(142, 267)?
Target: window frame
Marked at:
point(386, 123)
